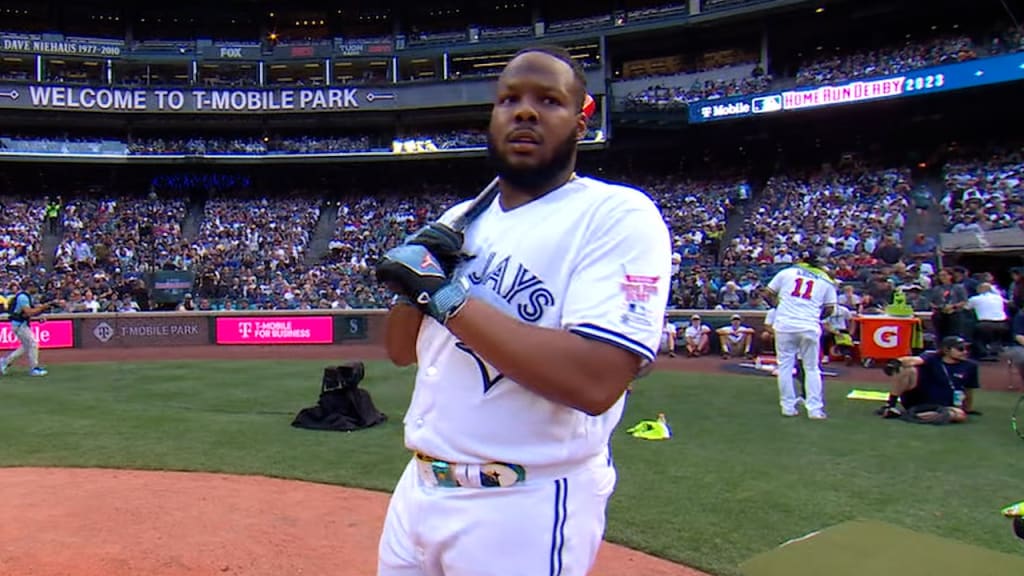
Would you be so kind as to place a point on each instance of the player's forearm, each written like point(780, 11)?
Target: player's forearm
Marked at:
point(400, 333)
point(558, 365)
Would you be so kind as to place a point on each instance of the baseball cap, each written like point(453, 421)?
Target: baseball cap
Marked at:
point(736, 317)
point(952, 342)
point(695, 317)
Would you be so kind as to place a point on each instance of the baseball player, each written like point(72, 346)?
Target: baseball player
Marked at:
point(526, 334)
point(803, 295)
point(21, 313)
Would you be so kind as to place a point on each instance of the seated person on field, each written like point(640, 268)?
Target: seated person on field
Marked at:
point(837, 340)
point(768, 333)
point(697, 337)
point(736, 339)
point(935, 387)
point(668, 338)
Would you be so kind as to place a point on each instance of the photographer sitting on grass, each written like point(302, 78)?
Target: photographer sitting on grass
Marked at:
point(933, 388)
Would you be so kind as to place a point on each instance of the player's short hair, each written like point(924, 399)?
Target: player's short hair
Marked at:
point(564, 55)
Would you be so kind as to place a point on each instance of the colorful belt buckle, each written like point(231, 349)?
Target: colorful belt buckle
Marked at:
point(500, 475)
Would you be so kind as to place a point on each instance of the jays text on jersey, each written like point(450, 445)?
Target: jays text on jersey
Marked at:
point(590, 257)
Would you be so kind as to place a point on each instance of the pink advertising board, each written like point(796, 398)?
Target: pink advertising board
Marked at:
point(275, 330)
point(51, 334)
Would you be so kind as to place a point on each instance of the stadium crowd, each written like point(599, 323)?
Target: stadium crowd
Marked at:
point(834, 67)
point(985, 194)
point(894, 59)
point(244, 256)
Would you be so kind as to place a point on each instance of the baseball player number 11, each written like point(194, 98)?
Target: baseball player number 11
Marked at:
point(806, 292)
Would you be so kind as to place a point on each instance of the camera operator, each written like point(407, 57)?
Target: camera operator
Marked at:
point(935, 387)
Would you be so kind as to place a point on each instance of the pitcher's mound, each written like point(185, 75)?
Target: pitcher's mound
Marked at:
point(91, 522)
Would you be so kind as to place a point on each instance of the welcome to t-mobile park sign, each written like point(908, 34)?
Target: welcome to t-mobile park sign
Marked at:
point(192, 100)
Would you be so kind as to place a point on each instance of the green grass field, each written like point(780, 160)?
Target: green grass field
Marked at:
point(737, 479)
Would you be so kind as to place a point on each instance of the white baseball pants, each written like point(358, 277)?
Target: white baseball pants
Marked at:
point(546, 526)
point(28, 344)
point(807, 346)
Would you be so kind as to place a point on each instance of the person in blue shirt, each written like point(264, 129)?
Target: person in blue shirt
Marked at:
point(935, 387)
point(21, 312)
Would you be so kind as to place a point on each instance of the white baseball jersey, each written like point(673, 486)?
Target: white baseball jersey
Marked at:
point(801, 293)
point(590, 257)
point(694, 332)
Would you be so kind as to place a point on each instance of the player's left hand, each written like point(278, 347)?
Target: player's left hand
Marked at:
point(412, 271)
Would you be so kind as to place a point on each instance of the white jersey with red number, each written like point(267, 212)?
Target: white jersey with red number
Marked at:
point(801, 293)
point(590, 257)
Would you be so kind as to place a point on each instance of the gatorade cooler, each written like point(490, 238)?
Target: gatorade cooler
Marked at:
point(885, 337)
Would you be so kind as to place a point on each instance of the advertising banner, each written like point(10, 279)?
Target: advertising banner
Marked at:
point(170, 286)
point(363, 47)
point(351, 328)
point(232, 52)
point(57, 45)
point(191, 100)
point(275, 330)
point(144, 332)
point(980, 72)
point(51, 334)
point(196, 100)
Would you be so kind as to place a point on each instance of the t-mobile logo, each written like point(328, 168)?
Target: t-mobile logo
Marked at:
point(244, 329)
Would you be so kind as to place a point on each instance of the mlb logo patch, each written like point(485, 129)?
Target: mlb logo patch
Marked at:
point(637, 314)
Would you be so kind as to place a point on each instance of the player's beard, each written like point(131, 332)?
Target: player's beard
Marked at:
point(540, 178)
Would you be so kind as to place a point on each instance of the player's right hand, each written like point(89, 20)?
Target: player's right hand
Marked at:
point(443, 242)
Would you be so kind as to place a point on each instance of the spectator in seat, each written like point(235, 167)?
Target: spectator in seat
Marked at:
point(697, 337)
point(990, 330)
point(935, 387)
point(888, 251)
point(736, 339)
point(915, 298)
point(923, 246)
point(730, 296)
point(187, 305)
point(849, 298)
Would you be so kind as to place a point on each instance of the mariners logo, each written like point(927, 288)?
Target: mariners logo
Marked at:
point(103, 332)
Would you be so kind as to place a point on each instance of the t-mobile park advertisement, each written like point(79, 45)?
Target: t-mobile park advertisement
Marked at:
point(275, 330)
point(49, 334)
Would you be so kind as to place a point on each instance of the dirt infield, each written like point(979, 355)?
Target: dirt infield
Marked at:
point(91, 522)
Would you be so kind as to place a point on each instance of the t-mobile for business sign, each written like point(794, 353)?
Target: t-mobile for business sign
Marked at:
point(276, 330)
point(49, 335)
